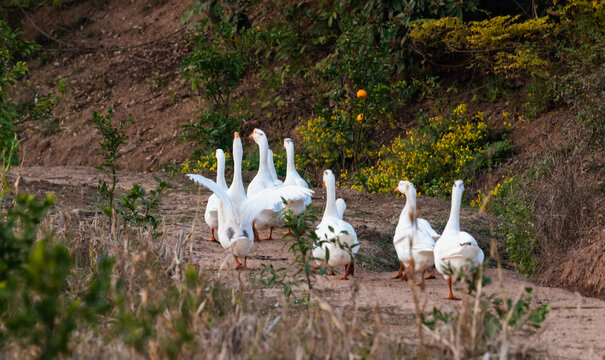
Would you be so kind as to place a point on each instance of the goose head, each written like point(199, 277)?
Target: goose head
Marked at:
point(404, 187)
point(258, 135)
point(458, 186)
point(287, 143)
point(328, 178)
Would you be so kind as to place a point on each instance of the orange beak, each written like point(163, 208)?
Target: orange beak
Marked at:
point(251, 136)
point(396, 189)
point(236, 134)
point(323, 183)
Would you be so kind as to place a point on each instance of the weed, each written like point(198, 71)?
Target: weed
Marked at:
point(484, 324)
point(112, 139)
point(137, 206)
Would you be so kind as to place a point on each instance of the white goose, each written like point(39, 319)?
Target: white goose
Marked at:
point(293, 178)
point(413, 244)
point(455, 248)
point(271, 164)
point(263, 180)
point(236, 212)
point(211, 214)
point(333, 228)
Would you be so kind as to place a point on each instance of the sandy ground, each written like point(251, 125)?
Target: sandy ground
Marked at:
point(574, 328)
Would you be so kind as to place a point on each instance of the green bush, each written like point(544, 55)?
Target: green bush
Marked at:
point(217, 64)
point(515, 214)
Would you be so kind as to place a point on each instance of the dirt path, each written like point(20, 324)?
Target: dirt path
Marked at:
point(574, 328)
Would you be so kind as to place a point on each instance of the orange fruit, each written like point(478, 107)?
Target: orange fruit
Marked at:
point(359, 118)
point(362, 94)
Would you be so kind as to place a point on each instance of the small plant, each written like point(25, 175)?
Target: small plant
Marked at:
point(112, 139)
point(302, 231)
point(484, 324)
point(137, 205)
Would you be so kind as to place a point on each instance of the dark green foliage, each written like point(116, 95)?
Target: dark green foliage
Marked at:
point(137, 206)
point(217, 63)
point(112, 139)
point(16, 245)
point(12, 67)
point(213, 130)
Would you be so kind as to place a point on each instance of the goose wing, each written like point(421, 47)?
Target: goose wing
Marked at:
point(425, 225)
point(341, 206)
point(271, 199)
point(217, 190)
point(464, 246)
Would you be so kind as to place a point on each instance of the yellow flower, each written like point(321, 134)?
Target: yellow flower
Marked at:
point(362, 94)
point(359, 118)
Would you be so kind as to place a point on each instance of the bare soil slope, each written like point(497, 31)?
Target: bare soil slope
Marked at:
point(126, 56)
point(573, 329)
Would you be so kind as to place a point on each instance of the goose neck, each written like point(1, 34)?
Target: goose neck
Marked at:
point(408, 214)
point(220, 172)
point(237, 165)
point(263, 148)
point(330, 199)
point(453, 223)
point(291, 168)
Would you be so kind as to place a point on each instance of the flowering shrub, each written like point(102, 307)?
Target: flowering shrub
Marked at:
point(326, 141)
point(501, 45)
point(482, 196)
point(432, 156)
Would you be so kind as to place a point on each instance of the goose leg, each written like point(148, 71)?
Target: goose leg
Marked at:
point(239, 265)
point(349, 270)
point(255, 231)
point(212, 238)
point(315, 268)
point(432, 274)
point(331, 272)
point(288, 232)
point(451, 296)
point(400, 272)
point(270, 237)
point(421, 279)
